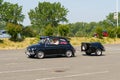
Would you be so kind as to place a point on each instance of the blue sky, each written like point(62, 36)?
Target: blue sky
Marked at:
point(79, 10)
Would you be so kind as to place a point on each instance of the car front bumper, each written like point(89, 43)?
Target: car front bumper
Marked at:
point(29, 53)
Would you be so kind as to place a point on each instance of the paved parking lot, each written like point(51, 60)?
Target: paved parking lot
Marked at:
point(14, 65)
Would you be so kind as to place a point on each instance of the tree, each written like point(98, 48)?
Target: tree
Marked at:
point(49, 30)
point(112, 32)
point(99, 31)
point(11, 13)
point(14, 30)
point(63, 30)
point(48, 13)
point(2, 25)
point(111, 21)
point(11, 16)
point(28, 32)
point(82, 29)
point(1, 2)
point(75, 27)
point(118, 32)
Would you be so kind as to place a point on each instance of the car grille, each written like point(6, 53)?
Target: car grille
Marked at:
point(30, 52)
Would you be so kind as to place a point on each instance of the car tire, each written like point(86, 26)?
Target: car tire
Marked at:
point(40, 55)
point(88, 52)
point(98, 52)
point(84, 47)
point(69, 53)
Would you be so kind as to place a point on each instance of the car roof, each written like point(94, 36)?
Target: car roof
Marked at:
point(44, 37)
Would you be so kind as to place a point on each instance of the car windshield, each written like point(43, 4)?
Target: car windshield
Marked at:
point(41, 41)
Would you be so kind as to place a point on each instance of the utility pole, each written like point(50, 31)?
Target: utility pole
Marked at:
point(116, 16)
point(117, 12)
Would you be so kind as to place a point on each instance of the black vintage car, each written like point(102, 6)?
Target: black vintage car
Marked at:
point(50, 45)
point(94, 47)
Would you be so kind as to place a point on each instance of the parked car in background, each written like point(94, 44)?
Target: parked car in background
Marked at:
point(104, 34)
point(4, 34)
point(50, 45)
point(94, 47)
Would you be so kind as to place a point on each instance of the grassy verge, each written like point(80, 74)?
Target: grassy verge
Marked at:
point(76, 41)
point(7, 44)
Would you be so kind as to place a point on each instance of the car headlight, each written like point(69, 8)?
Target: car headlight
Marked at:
point(28, 49)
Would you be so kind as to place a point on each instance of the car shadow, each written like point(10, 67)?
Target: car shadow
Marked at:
point(51, 57)
point(93, 55)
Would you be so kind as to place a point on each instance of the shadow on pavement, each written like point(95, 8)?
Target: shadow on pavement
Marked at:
point(93, 55)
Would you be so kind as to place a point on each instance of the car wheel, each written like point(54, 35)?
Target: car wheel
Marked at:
point(84, 47)
point(69, 53)
point(98, 52)
point(40, 55)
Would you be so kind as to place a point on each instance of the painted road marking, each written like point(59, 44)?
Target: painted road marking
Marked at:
point(75, 75)
point(29, 70)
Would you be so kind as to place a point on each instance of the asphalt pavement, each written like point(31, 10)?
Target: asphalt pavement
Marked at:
point(15, 65)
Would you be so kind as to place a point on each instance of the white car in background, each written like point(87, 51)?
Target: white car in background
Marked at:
point(4, 34)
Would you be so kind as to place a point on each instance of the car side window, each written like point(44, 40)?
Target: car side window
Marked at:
point(54, 41)
point(47, 41)
point(63, 41)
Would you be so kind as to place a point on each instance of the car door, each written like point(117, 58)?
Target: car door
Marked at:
point(62, 46)
point(51, 48)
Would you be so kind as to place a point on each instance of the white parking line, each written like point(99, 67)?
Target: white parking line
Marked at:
point(76, 75)
point(29, 70)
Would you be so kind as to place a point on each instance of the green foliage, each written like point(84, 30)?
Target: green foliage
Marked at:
point(118, 32)
point(112, 32)
point(28, 32)
point(48, 13)
point(11, 13)
point(49, 30)
point(82, 29)
point(10, 18)
point(1, 2)
point(2, 25)
point(105, 24)
point(80, 34)
point(76, 28)
point(111, 21)
point(63, 30)
point(99, 31)
point(14, 30)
